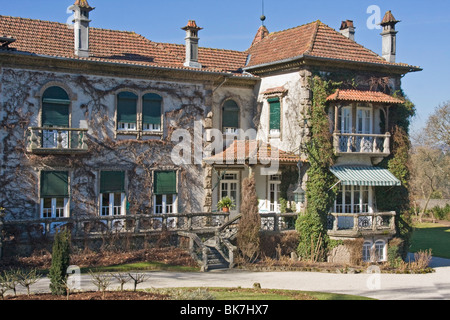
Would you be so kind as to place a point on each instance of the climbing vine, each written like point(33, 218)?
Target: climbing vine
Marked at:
point(312, 225)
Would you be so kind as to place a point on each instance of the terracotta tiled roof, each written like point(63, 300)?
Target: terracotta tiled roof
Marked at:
point(315, 40)
point(388, 18)
point(82, 4)
point(56, 39)
point(252, 151)
point(363, 96)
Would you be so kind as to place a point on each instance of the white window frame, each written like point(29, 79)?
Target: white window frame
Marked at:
point(353, 203)
point(54, 211)
point(127, 126)
point(363, 129)
point(112, 207)
point(346, 118)
point(366, 251)
point(380, 250)
point(164, 206)
point(148, 127)
point(229, 182)
point(275, 182)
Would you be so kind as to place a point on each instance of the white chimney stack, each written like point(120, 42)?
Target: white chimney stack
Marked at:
point(348, 29)
point(389, 37)
point(81, 9)
point(192, 45)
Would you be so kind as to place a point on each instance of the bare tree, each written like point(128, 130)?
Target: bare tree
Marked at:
point(437, 129)
point(137, 278)
point(430, 174)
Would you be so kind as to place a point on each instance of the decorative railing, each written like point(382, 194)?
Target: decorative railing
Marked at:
point(278, 221)
point(361, 143)
point(354, 223)
point(85, 226)
point(56, 140)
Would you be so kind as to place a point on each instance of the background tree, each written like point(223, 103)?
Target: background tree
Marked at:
point(437, 129)
point(248, 240)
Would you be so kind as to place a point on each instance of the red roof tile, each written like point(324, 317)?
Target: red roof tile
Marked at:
point(56, 39)
point(388, 18)
point(255, 152)
point(313, 40)
point(363, 96)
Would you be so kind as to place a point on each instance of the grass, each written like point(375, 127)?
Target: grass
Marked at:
point(432, 236)
point(141, 266)
point(238, 294)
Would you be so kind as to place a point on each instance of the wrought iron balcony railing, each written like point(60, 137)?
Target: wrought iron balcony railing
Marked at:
point(57, 140)
point(355, 143)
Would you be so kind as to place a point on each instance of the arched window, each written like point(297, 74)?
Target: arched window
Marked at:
point(55, 108)
point(55, 114)
point(230, 117)
point(126, 111)
point(380, 251)
point(367, 247)
point(151, 112)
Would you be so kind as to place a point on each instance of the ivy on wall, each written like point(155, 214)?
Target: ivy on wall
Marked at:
point(312, 225)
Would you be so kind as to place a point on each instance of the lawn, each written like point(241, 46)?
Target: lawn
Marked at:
point(432, 236)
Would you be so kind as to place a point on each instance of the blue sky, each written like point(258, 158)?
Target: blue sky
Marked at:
point(422, 39)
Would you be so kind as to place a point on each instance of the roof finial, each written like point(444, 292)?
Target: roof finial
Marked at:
point(263, 17)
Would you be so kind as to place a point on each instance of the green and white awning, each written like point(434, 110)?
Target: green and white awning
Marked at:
point(365, 176)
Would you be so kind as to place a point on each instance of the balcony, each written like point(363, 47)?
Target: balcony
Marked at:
point(357, 224)
point(355, 143)
point(44, 140)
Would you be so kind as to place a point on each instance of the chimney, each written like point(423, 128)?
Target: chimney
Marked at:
point(348, 29)
point(192, 45)
point(81, 9)
point(389, 37)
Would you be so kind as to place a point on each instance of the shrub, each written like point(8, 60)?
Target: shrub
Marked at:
point(394, 253)
point(60, 263)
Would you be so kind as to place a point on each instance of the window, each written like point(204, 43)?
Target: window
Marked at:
point(229, 188)
point(367, 248)
point(274, 193)
point(380, 246)
point(151, 112)
point(275, 116)
point(353, 199)
point(127, 111)
point(364, 121)
point(230, 117)
point(54, 193)
point(345, 117)
point(112, 193)
point(165, 192)
point(55, 114)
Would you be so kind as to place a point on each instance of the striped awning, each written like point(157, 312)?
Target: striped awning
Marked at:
point(365, 176)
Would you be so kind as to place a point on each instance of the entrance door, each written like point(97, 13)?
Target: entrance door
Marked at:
point(229, 187)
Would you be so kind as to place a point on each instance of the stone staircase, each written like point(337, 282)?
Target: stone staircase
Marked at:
point(217, 252)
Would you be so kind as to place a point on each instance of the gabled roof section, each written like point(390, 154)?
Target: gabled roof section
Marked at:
point(313, 40)
point(53, 39)
point(363, 96)
point(253, 152)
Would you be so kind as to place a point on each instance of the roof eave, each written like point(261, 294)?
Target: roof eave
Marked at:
point(402, 69)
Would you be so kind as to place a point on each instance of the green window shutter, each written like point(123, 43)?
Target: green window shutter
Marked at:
point(126, 107)
point(274, 114)
point(55, 108)
point(230, 115)
point(54, 184)
point(112, 181)
point(165, 182)
point(151, 109)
